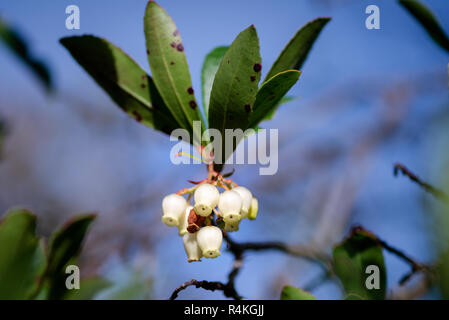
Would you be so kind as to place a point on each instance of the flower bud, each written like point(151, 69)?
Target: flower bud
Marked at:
point(206, 199)
point(209, 239)
point(252, 214)
point(231, 227)
point(230, 204)
point(247, 197)
point(183, 221)
point(191, 246)
point(173, 206)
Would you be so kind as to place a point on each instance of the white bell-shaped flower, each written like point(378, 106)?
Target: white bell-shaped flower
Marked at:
point(246, 199)
point(173, 206)
point(183, 221)
point(209, 239)
point(231, 227)
point(191, 246)
point(230, 204)
point(252, 214)
point(206, 199)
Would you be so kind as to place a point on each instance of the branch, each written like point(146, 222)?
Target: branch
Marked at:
point(439, 194)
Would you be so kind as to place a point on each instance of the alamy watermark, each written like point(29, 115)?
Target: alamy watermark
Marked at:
point(213, 147)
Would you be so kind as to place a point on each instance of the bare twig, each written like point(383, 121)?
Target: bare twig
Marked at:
point(439, 194)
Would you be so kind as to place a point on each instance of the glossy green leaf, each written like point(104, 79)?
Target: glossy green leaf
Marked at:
point(270, 94)
point(22, 256)
point(210, 67)
point(426, 18)
point(169, 67)
point(89, 288)
point(122, 78)
point(351, 259)
point(296, 51)
point(64, 247)
point(16, 43)
point(235, 86)
point(292, 293)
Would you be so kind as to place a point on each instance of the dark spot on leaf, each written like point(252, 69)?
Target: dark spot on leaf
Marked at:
point(247, 108)
point(190, 90)
point(253, 78)
point(144, 76)
point(142, 85)
point(173, 44)
point(180, 47)
point(192, 104)
point(237, 78)
point(137, 116)
point(176, 33)
point(148, 52)
point(228, 61)
point(172, 62)
point(257, 67)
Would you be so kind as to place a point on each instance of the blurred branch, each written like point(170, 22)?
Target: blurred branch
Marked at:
point(238, 249)
point(439, 194)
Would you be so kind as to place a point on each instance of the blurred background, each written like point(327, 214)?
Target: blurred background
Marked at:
point(366, 99)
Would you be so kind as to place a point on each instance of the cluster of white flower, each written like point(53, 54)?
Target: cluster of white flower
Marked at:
point(196, 223)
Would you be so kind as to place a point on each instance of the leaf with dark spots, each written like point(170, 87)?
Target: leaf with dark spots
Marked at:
point(192, 104)
point(18, 46)
point(426, 18)
point(228, 95)
point(296, 51)
point(270, 93)
point(122, 78)
point(247, 108)
point(22, 256)
point(257, 67)
point(171, 80)
point(252, 78)
point(210, 67)
point(190, 90)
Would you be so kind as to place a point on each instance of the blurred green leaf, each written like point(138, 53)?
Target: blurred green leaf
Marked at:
point(292, 293)
point(22, 256)
point(64, 247)
point(122, 78)
point(169, 67)
point(353, 296)
point(352, 257)
point(296, 51)
point(270, 94)
point(426, 18)
point(235, 86)
point(210, 67)
point(16, 43)
point(89, 288)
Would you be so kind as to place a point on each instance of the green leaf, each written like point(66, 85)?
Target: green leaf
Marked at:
point(210, 67)
point(15, 42)
point(426, 18)
point(272, 112)
point(22, 256)
point(235, 86)
point(169, 67)
point(122, 78)
point(351, 258)
point(353, 296)
point(292, 293)
point(271, 93)
point(64, 247)
point(89, 288)
point(296, 51)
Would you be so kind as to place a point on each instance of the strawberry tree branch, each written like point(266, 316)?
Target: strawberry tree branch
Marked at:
point(439, 194)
